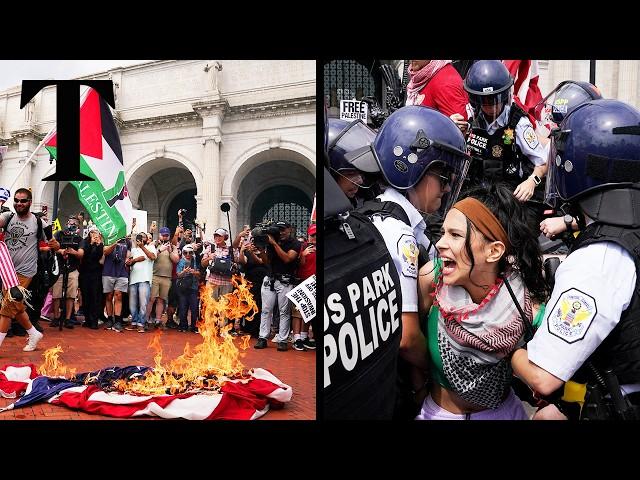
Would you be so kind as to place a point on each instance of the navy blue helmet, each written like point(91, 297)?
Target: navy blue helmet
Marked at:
point(488, 82)
point(415, 138)
point(565, 98)
point(594, 161)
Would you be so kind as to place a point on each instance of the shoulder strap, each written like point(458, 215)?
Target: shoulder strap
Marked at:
point(515, 115)
point(385, 210)
point(9, 220)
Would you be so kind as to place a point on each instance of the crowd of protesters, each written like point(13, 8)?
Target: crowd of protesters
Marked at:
point(146, 280)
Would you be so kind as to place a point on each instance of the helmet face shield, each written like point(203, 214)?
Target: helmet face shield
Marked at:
point(551, 196)
point(354, 140)
point(436, 188)
point(490, 105)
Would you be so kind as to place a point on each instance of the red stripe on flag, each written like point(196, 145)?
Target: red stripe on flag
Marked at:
point(7, 270)
point(521, 70)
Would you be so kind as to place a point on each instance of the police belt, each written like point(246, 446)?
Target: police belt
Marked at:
point(285, 278)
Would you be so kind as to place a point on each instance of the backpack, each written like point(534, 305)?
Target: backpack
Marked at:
point(184, 284)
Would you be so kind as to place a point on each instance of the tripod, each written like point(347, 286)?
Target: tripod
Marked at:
point(63, 300)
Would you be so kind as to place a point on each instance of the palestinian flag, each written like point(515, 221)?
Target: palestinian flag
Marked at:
point(106, 199)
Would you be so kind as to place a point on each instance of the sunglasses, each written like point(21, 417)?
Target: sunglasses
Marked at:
point(21, 200)
point(444, 179)
point(188, 253)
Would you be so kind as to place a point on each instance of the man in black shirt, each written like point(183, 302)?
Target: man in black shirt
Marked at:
point(282, 257)
point(69, 257)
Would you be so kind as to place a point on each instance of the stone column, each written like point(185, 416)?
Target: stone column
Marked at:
point(212, 113)
point(628, 81)
point(211, 182)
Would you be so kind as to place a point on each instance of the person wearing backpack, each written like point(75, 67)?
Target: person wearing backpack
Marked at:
point(219, 262)
point(22, 242)
point(187, 285)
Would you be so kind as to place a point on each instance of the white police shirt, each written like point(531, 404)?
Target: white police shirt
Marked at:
point(594, 285)
point(526, 137)
point(402, 242)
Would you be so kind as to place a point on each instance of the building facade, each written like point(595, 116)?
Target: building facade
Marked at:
point(194, 134)
point(357, 78)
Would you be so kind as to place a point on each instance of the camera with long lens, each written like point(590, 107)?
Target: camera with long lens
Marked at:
point(261, 230)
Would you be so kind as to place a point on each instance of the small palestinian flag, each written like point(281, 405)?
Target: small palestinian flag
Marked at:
point(106, 199)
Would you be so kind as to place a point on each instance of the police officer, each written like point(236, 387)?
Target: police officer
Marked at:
point(552, 109)
point(590, 337)
point(502, 135)
point(362, 326)
point(344, 137)
point(422, 156)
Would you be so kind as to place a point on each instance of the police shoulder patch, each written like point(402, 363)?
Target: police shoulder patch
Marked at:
point(530, 137)
point(408, 254)
point(571, 316)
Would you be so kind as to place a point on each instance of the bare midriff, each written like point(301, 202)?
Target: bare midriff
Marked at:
point(452, 402)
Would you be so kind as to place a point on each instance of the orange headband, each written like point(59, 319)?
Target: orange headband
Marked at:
point(483, 219)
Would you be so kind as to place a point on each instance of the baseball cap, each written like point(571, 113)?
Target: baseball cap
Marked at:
point(283, 224)
point(165, 231)
point(312, 229)
point(222, 232)
point(187, 248)
point(4, 194)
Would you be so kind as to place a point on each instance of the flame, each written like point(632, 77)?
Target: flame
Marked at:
point(52, 366)
point(207, 365)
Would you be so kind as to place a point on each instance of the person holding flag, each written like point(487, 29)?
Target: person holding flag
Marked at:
point(23, 229)
point(107, 198)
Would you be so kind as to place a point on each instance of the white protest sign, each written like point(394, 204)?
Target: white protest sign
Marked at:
point(352, 110)
point(304, 297)
point(141, 221)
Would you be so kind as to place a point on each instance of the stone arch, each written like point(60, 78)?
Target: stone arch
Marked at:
point(262, 153)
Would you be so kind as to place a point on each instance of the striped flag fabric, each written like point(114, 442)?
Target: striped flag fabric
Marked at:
point(7, 269)
point(526, 91)
point(313, 211)
point(238, 399)
point(106, 199)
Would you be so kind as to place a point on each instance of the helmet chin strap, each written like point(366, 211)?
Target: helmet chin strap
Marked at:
point(351, 181)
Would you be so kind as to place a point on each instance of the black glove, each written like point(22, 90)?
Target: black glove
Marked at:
point(395, 93)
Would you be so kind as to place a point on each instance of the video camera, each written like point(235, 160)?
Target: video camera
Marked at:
point(261, 230)
point(70, 237)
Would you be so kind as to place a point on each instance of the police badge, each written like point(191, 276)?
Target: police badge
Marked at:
point(496, 151)
point(507, 137)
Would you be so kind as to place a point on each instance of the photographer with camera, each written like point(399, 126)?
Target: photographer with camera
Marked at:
point(22, 242)
point(254, 271)
point(221, 264)
point(140, 261)
point(167, 257)
point(90, 277)
point(281, 255)
point(69, 256)
point(115, 282)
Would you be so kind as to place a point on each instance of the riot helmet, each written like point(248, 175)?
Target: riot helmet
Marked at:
point(594, 162)
point(488, 84)
point(564, 99)
point(416, 141)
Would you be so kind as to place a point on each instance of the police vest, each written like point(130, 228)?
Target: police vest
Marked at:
point(496, 157)
point(620, 351)
point(392, 209)
point(362, 321)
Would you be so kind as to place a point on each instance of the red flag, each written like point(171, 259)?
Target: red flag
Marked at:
point(526, 91)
